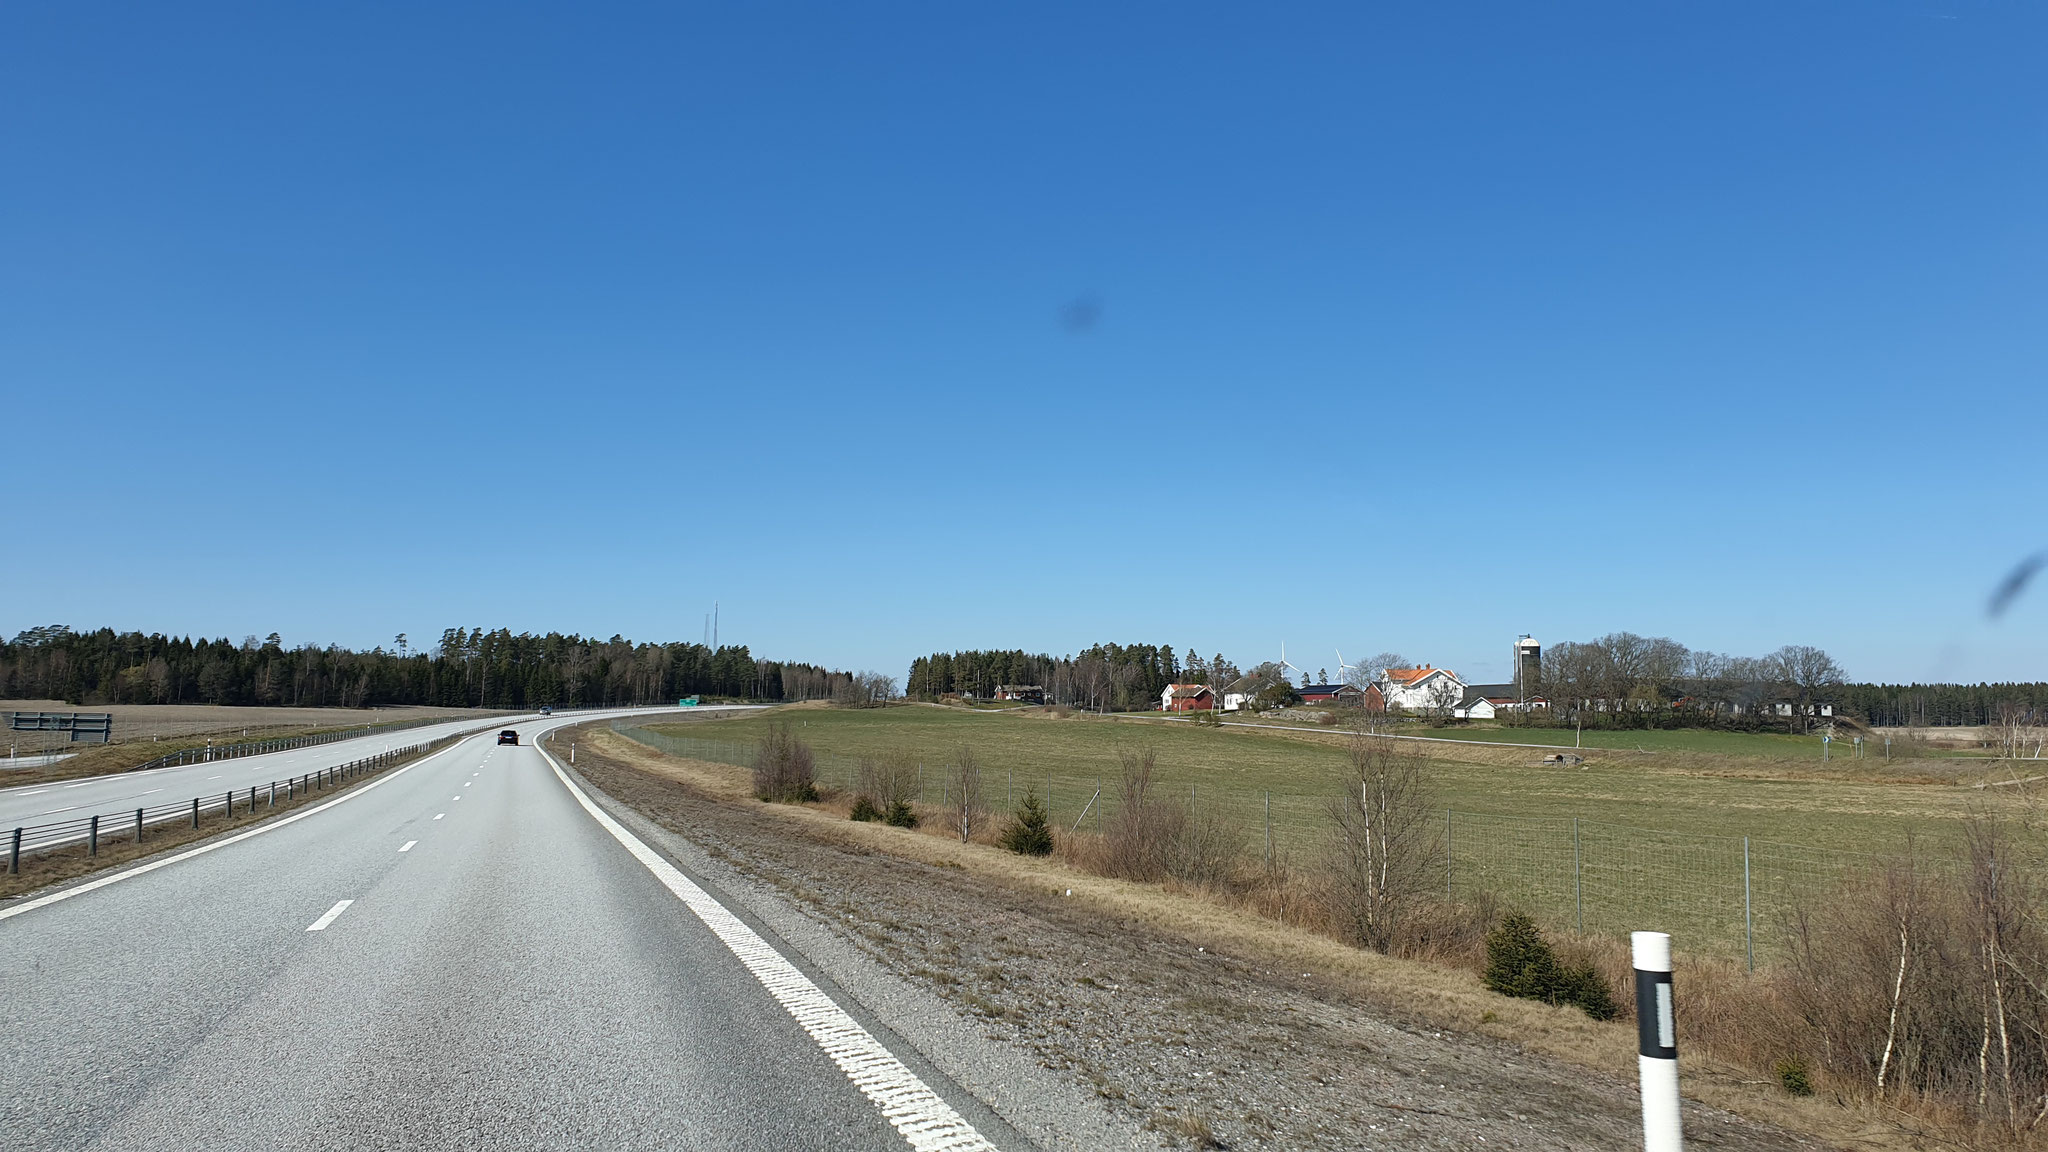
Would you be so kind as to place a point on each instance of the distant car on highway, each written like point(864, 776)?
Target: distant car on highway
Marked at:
point(508, 736)
point(546, 711)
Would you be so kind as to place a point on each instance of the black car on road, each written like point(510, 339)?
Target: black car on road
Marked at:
point(509, 736)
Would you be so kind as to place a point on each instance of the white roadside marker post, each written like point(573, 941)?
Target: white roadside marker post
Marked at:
point(1657, 1031)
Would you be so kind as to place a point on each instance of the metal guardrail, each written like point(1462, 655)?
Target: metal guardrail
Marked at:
point(89, 829)
point(212, 752)
point(32, 838)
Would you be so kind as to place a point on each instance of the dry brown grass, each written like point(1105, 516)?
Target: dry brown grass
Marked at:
point(1275, 923)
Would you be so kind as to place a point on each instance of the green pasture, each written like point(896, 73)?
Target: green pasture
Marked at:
point(1715, 837)
point(1069, 757)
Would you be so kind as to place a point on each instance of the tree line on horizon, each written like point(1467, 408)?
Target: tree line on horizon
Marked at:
point(467, 668)
point(1118, 677)
point(1620, 678)
point(1623, 675)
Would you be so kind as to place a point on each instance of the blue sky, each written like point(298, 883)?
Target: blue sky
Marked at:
point(896, 328)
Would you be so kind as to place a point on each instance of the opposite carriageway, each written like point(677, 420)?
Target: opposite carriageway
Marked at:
point(123, 817)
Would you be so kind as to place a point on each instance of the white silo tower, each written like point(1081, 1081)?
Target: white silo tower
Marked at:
point(1528, 666)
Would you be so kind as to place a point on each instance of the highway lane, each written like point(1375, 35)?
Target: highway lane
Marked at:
point(72, 799)
point(504, 973)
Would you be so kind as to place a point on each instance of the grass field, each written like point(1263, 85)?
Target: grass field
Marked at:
point(1599, 842)
point(1760, 745)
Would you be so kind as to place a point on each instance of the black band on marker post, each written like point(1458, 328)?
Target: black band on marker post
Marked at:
point(1655, 1026)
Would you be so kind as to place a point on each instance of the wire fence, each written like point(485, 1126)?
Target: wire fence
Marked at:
point(1731, 896)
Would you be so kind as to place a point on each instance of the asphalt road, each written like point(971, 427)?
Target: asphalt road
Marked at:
point(125, 791)
point(462, 953)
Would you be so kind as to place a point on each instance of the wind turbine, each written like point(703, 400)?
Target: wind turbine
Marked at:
point(1342, 667)
point(1283, 659)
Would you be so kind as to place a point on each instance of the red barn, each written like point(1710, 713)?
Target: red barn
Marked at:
point(1187, 698)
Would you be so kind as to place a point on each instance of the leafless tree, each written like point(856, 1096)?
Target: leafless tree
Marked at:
point(1386, 851)
point(1441, 701)
point(967, 808)
point(2015, 730)
point(865, 690)
point(1807, 673)
point(1375, 666)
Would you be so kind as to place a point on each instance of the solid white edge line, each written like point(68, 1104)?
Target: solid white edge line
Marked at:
point(921, 1116)
point(203, 849)
point(328, 916)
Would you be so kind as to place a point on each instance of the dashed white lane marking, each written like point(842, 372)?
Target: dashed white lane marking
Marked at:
point(262, 829)
point(328, 916)
point(37, 792)
point(458, 798)
point(54, 811)
point(921, 1116)
point(407, 846)
point(213, 777)
point(81, 784)
point(438, 815)
point(151, 792)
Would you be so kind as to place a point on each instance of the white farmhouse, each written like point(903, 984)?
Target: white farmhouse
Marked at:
point(1422, 689)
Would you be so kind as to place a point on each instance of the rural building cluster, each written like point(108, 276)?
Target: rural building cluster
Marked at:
point(1422, 691)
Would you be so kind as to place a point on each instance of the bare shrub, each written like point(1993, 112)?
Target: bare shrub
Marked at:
point(885, 780)
point(784, 770)
point(1386, 851)
point(1151, 837)
point(1927, 981)
point(1136, 835)
point(1209, 850)
point(885, 786)
point(1432, 929)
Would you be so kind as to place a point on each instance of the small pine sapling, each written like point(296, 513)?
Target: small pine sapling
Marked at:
point(1029, 833)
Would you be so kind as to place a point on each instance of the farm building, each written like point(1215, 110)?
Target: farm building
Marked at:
point(1421, 689)
point(1022, 693)
point(1486, 701)
point(1239, 692)
point(1370, 697)
point(1187, 698)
